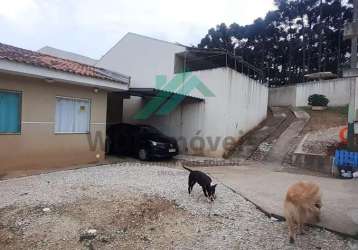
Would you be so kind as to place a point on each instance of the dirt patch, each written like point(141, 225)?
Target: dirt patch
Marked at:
point(325, 119)
point(322, 141)
point(129, 223)
point(322, 130)
point(320, 134)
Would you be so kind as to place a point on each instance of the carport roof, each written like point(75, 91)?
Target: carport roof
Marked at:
point(321, 75)
point(153, 92)
point(195, 59)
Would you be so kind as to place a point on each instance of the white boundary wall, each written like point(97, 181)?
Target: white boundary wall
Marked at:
point(239, 105)
point(337, 91)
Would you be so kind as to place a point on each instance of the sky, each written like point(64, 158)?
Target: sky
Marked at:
point(92, 27)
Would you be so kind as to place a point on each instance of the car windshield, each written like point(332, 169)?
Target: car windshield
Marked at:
point(149, 130)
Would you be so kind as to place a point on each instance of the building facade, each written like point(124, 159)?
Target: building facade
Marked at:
point(51, 110)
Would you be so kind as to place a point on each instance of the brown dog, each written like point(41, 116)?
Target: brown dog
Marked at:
point(302, 205)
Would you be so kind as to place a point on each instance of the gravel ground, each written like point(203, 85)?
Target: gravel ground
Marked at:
point(229, 223)
point(262, 151)
point(318, 142)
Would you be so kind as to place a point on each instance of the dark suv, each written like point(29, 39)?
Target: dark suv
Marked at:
point(142, 141)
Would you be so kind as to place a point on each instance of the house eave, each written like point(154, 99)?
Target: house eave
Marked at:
point(22, 69)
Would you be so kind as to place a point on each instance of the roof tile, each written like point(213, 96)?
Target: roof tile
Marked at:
point(15, 54)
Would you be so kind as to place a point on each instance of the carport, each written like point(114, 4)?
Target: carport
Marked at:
point(154, 108)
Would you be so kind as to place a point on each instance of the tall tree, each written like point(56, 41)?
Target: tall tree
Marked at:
point(299, 37)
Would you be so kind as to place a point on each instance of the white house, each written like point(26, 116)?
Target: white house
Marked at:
point(225, 103)
point(204, 124)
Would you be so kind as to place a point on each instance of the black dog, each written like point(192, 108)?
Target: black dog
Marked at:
point(203, 180)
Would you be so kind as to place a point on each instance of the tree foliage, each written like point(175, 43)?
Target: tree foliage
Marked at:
point(299, 37)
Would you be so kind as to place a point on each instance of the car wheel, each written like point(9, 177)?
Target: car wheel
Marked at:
point(142, 154)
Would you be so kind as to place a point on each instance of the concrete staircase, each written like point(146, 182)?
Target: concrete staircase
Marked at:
point(258, 144)
point(288, 140)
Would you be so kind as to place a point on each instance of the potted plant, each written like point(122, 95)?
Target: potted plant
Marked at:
point(318, 102)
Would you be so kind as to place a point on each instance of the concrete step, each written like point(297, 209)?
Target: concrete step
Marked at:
point(287, 142)
point(279, 118)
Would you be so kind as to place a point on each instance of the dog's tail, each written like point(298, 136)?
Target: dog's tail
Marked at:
point(187, 169)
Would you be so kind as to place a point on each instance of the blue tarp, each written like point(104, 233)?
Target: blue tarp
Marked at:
point(345, 158)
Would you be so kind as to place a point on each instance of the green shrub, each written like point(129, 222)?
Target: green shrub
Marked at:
point(318, 100)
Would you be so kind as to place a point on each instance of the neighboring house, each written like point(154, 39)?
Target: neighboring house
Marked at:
point(201, 122)
point(67, 55)
point(49, 108)
point(143, 58)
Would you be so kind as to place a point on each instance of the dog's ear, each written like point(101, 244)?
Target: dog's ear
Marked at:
point(214, 186)
point(318, 205)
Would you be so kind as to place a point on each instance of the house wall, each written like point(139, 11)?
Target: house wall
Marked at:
point(38, 147)
point(239, 105)
point(247, 106)
point(337, 91)
point(282, 96)
point(142, 58)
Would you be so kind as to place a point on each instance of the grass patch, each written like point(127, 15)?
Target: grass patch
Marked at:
point(343, 110)
point(308, 109)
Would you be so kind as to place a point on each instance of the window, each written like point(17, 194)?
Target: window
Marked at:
point(72, 115)
point(10, 112)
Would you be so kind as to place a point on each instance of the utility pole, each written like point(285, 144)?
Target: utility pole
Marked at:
point(351, 32)
point(351, 132)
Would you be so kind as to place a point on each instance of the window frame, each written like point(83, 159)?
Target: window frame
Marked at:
point(75, 99)
point(20, 111)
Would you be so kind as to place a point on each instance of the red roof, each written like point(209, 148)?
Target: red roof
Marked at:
point(37, 59)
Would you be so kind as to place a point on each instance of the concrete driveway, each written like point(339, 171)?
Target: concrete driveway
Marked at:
point(266, 187)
